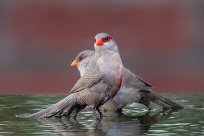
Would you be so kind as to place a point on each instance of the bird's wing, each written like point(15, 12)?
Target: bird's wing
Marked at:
point(144, 82)
point(91, 77)
point(131, 80)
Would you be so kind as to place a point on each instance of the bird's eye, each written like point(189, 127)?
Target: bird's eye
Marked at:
point(79, 59)
point(106, 39)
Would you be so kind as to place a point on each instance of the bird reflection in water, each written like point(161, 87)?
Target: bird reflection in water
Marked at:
point(116, 124)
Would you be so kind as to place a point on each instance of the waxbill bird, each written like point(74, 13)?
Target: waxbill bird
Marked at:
point(133, 89)
point(100, 82)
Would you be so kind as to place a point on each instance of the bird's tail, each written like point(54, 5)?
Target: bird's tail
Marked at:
point(166, 103)
point(161, 101)
point(53, 109)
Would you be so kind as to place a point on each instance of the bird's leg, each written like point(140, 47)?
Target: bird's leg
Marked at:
point(100, 113)
point(97, 116)
point(96, 123)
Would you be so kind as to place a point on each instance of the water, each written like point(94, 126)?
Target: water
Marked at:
point(134, 120)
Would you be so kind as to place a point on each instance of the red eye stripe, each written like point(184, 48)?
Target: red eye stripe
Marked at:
point(79, 59)
point(106, 39)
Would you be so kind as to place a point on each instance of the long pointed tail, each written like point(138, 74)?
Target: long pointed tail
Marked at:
point(55, 108)
point(166, 103)
point(161, 101)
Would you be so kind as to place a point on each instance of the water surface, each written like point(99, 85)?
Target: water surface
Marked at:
point(134, 121)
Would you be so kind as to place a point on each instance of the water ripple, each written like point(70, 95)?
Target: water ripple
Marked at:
point(135, 119)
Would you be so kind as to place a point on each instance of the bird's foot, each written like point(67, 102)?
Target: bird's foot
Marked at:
point(96, 123)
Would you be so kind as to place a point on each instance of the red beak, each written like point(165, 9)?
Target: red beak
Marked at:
point(99, 42)
point(74, 63)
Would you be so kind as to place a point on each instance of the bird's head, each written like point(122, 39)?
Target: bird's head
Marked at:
point(104, 42)
point(81, 60)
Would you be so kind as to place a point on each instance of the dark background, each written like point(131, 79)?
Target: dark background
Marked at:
point(161, 41)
